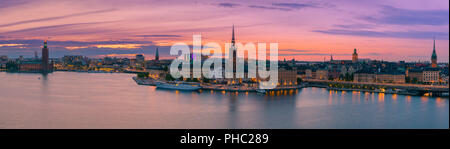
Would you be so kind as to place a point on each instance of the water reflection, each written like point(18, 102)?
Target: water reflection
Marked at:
point(44, 81)
point(440, 102)
point(424, 99)
point(233, 104)
point(408, 98)
point(330, 97)
point(115, 101)
point(381, 97)
point(394, 96)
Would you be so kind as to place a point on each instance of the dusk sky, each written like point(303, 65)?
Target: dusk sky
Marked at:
point(391, 30)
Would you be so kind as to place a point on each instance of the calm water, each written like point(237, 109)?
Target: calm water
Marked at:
point(93, 100)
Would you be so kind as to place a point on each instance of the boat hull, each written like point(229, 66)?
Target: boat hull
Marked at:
point(183, 87)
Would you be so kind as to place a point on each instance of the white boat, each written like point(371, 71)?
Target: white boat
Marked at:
point(177, 86)
point(261, 91)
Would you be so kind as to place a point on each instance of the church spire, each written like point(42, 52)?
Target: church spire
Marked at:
point(434, 56)
point(434, 46)
point(157, 54)
point(232, 38)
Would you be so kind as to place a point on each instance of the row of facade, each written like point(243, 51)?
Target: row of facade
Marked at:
point(427, 76)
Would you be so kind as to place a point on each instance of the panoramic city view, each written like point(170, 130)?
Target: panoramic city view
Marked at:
point(217, 64)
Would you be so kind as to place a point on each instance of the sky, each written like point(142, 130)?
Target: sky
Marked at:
point(306, 30)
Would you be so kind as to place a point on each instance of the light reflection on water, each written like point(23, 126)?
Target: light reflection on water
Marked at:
point(89, 100)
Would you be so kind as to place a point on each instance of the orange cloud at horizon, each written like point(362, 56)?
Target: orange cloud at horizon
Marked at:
point(311, 33)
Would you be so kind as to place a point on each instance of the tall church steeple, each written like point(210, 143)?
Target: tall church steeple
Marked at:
point(434, 56)
point(157, 55)
point(232, 50)
point(232, 38)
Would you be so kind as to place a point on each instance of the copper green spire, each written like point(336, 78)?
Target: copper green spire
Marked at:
point(433, 56)
point(157, 54)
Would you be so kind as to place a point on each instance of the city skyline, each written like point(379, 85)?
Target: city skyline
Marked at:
point(354, 57)
point(382, 30)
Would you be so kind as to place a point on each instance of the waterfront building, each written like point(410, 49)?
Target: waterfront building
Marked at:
point(427, 75)
point(354, 56)
point(430, 75)
point(287, 76)
point(433, 56)
point(30, 66)
point(391, 77)
point(156, 72)
point(414, 75)
point(322, 74)
point(34, 66)
point(42, 66)
point(364, 75)
point(379, 76)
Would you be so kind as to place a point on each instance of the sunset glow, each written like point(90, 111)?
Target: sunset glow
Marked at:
point(305, 30)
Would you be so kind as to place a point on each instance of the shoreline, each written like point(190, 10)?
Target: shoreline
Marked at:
point(150, 82)
point(374, 91)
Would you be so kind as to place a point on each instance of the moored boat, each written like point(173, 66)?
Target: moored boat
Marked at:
point(262, 91)
point(177, 86)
